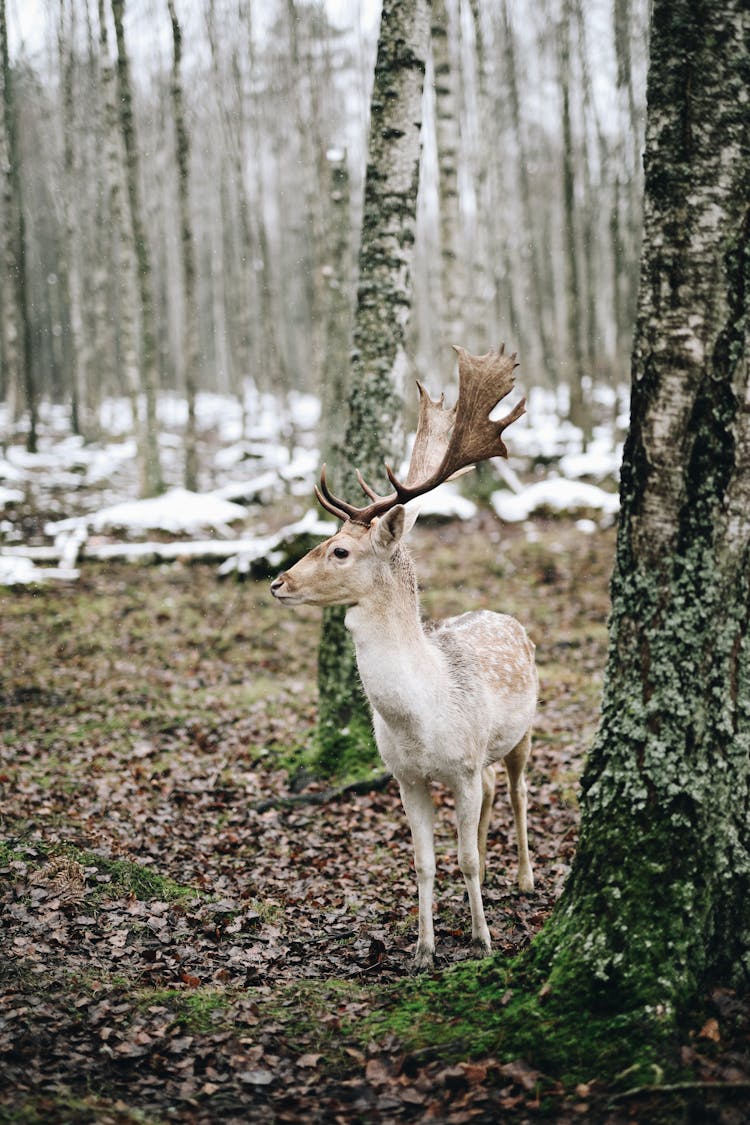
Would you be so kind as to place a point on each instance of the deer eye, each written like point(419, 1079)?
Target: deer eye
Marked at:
point(341, 552)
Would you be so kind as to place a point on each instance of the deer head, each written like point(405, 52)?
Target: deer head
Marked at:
point(342, 570)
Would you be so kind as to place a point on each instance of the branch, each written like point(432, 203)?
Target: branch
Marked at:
point(676, 1088)
point(322, 797)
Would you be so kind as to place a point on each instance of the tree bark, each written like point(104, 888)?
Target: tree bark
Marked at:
point(16, 327)
point(451, 330)
point(187, 243)
point(579, 413)
point(379, 361)
point(151, 478)
point(70, 254)
point(658, 901)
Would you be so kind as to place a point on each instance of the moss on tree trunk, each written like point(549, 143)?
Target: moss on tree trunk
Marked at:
point(657, 905)
point(658, 901)
point(374, 433)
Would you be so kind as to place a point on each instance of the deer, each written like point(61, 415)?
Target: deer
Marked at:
point(452, 700)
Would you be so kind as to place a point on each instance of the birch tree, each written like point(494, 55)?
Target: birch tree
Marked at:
point(16, 328)
point(379, 361)
point(151, 478)
point(452, 262)
point(658, 901)
point(187, 244)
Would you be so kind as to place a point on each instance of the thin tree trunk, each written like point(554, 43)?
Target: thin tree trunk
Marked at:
point(533, 228)
point(69, 258)
point(16, 326)
point(579, 413)
point(121, 247)
point(187, 243)
point(338, 313)
point(379, 362)
point(450, 327)
point(152, 482)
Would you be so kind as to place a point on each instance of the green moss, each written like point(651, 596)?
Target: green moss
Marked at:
point(125, 877)
point(74, 1109)
point(508, 1011)
point(200, 1010)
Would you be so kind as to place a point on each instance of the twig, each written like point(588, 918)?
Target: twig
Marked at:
point(323, 796)
point(676, 1088)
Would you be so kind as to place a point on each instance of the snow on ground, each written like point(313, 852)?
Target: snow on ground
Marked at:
point(253, 453)
point(178, 511)
point(557, 495)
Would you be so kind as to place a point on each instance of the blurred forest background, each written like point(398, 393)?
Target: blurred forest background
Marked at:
point(182, 191)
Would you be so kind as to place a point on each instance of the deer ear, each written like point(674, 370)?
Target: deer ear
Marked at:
point(388, 530)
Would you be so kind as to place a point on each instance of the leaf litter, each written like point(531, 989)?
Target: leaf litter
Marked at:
point(173, 952)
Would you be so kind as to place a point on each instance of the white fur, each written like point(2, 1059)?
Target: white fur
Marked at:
point(447, 705)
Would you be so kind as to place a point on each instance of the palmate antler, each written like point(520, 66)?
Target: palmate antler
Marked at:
point(447, 441)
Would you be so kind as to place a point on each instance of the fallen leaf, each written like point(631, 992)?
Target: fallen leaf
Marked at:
point(310, 1059)
point(710, 1030)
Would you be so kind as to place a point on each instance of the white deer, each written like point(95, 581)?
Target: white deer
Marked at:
point(449, 701)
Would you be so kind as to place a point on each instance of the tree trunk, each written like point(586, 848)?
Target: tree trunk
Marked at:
point(338, 310)
point(379, 362)
point(579, 413)
point(450, 330)
point(121, 246)
point(16, 327)
point(70, 255)
point(190, 310)
point(533, 224)
point(658, 902)
point(151, 480)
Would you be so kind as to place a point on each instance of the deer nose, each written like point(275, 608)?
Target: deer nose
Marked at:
point(277, 584)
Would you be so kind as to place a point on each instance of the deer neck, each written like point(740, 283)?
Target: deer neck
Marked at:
point(391, 646)
point(390, 610)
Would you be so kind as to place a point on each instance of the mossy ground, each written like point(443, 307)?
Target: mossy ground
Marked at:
point(145, 712)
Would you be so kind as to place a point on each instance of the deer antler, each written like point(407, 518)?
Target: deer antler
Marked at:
point(447, 441)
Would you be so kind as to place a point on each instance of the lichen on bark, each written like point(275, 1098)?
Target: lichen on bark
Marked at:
point(658, 901)
point(374, 434)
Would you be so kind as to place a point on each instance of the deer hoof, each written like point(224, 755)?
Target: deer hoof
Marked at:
point(525, 882)
point(480, 947)
point(423, 959)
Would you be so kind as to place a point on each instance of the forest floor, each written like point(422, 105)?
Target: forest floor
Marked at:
point(180, 943)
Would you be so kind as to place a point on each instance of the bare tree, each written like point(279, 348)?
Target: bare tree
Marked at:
point(379, 361)
point(151, 475)
point(190, 312)
point(16, 326)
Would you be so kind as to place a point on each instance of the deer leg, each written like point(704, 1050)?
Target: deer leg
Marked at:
point(469, 799)
point(420, 812)
point(515, 763)
point(489, 779)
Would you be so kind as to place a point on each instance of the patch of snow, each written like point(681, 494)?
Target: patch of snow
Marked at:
point(19, 570)
point(263, 488)
point(557, 494)
point(446, 502)
point(269, 548)
point(10, 495)
point(177, 511)
point(10, 472)
point(599, 461)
